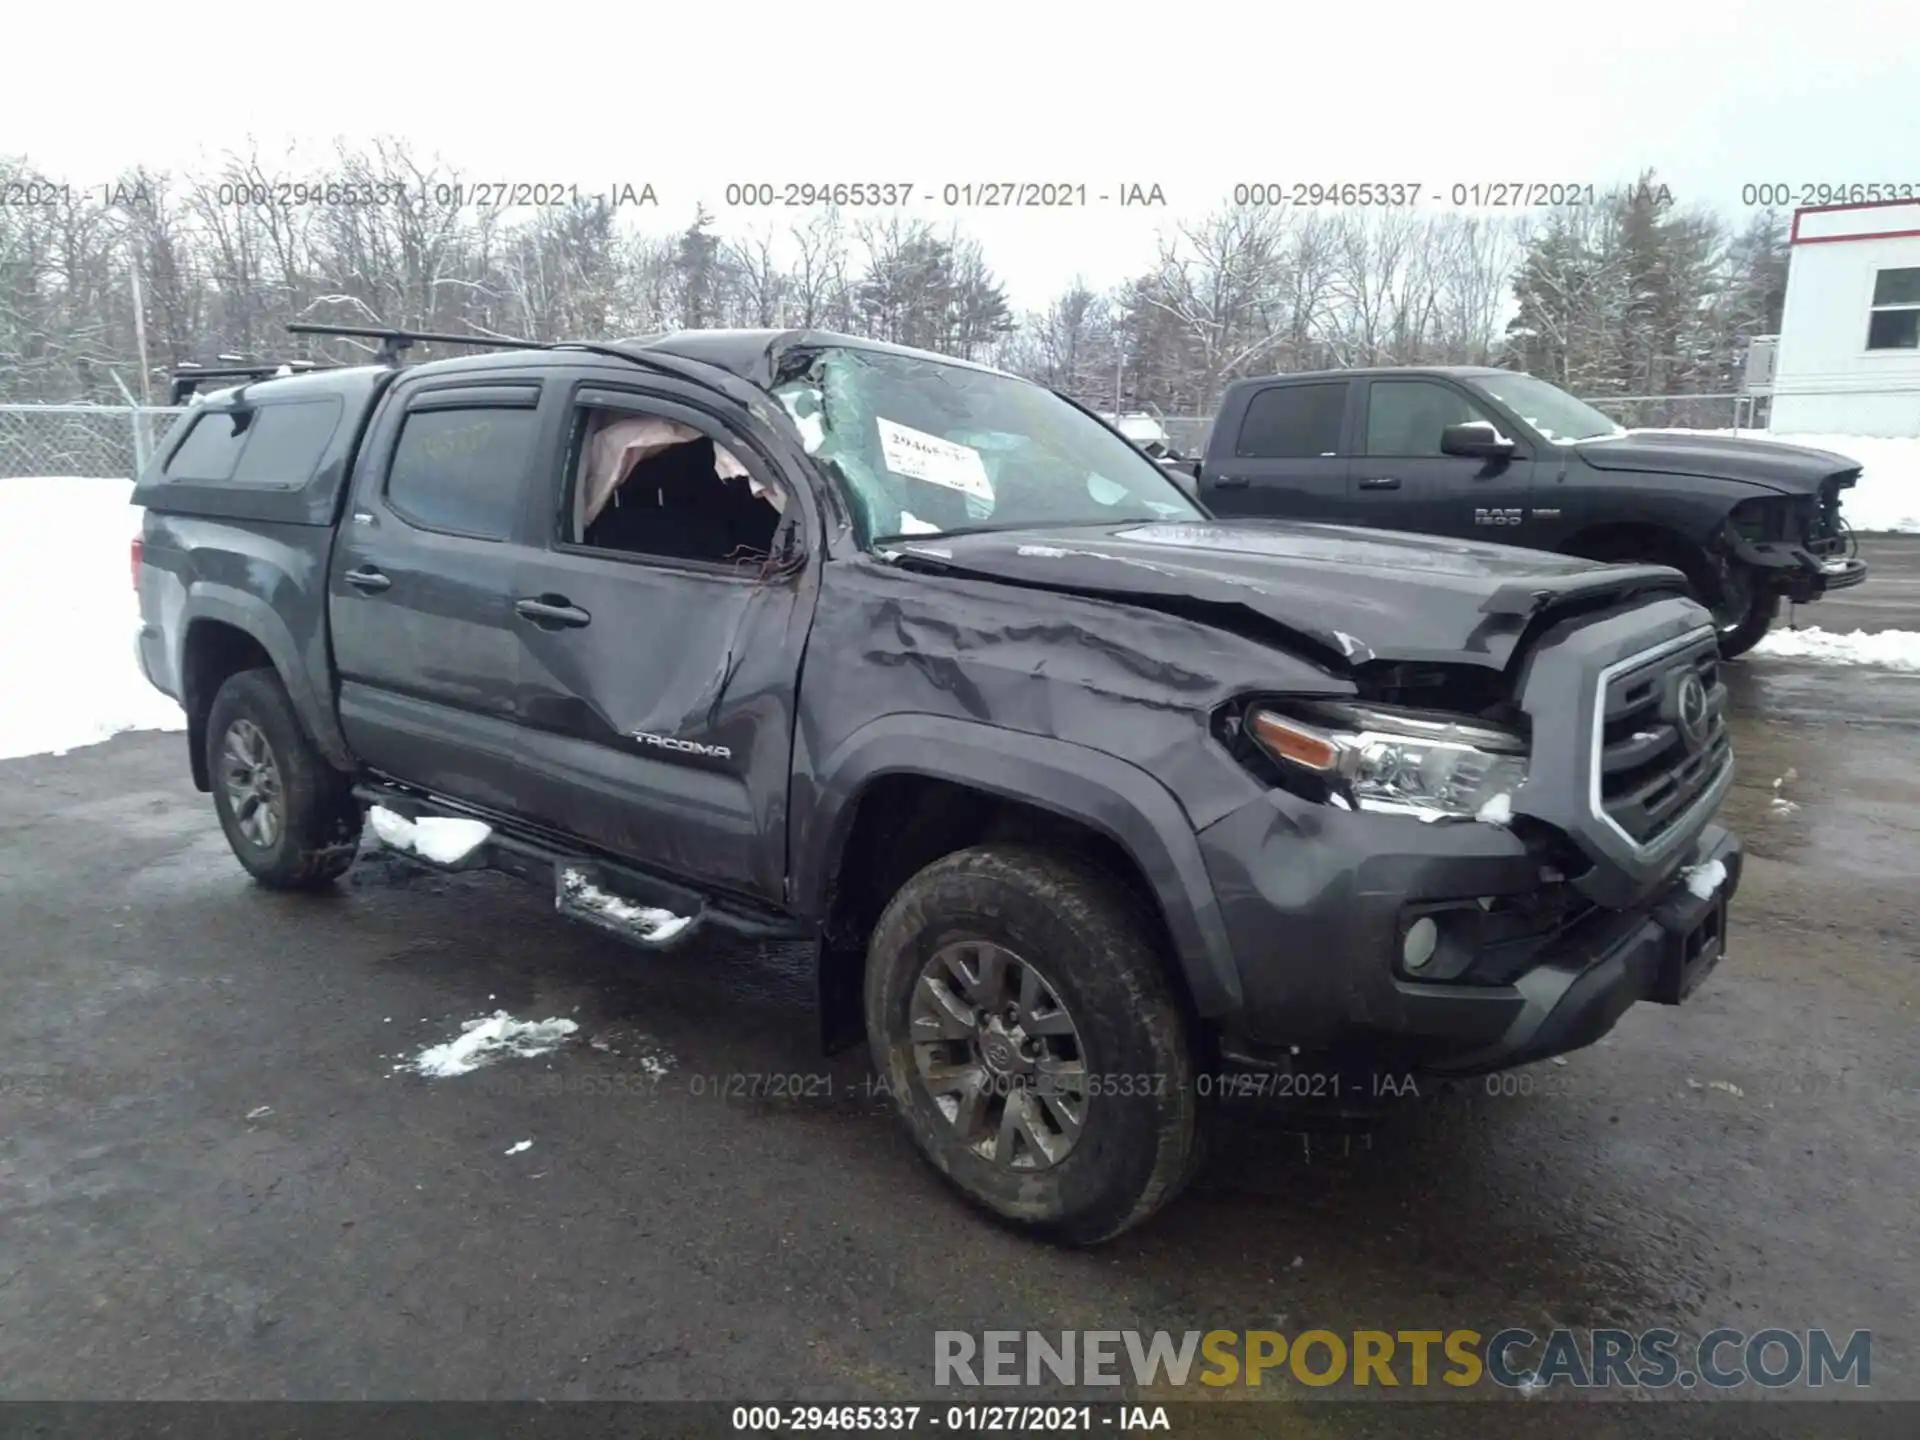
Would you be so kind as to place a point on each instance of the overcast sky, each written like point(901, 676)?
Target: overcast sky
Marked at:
point(1192, 97)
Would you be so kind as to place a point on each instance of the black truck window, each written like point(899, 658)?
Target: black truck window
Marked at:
point(1293, 422)
point(1405, 417)
point(277, 445)
point(209, 451)
point(463, 471)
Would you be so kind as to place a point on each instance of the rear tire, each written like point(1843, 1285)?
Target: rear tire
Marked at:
point(290, 817)
point(1078, 1160)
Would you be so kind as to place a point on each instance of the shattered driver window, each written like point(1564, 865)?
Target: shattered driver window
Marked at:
point(925, 448)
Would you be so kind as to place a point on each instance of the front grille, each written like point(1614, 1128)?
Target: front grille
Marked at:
point(1652, 774)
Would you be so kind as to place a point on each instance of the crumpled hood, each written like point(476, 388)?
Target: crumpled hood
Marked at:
point(1789, 469)
point(1357, 594)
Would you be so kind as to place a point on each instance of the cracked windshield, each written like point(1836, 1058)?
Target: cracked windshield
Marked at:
point(930, 449)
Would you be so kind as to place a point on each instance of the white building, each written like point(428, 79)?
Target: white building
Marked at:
point(1849, 353)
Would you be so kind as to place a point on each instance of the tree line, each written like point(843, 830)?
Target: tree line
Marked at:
point(1631, 295)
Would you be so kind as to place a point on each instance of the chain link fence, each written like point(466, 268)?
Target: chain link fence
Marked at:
point(81, 439)
point(1684, 412)
point(117, 439)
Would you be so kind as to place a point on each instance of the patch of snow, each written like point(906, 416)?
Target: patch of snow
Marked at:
point(1497, 811)
point(259, 1112)
point(1885, 650)
point(1353, 649)
point(1042, 552)
point(912, 524)
point(1887, 497)
point(1782, 807)
point(1726, 1085)
point(1703, 880)
point(487, 1039)
point(653, 923)
point(521, 1148)
point(72, 616)
point(443, 839)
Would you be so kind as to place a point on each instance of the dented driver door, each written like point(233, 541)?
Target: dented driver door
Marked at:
point(657, 693)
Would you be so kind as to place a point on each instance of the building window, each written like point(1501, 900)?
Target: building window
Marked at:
point(1895, 321)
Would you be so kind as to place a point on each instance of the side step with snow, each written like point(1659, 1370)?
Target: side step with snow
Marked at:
point(644, 910)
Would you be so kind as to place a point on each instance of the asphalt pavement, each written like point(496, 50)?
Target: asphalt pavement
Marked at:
point(214, 1183)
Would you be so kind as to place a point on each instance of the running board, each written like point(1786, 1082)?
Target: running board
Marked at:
point(583, 890)
point(644, 910)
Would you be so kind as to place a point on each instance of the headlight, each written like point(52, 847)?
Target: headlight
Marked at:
point(1398, 762)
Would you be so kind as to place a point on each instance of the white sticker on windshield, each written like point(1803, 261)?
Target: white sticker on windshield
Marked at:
point(920, 456)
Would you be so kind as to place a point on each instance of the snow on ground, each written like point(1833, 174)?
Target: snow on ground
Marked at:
point(1888, 495)
point(1887, 649)
point(487, 1039)
point(66, 589)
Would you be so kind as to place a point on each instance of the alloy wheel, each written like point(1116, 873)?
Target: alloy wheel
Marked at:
point(252, 781)
point(999, 1055)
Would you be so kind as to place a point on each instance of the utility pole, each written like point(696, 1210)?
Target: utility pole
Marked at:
point(139, 325)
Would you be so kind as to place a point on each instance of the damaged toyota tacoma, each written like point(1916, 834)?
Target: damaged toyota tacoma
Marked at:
point(1083, 799)
point(1480, 453)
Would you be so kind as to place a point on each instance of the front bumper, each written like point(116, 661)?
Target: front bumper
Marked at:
point(1798, 573)
point(1317, 904)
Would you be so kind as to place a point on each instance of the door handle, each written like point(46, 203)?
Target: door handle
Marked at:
point(552, 612)
point(367, 578)
point(1230, 482)
point(1381, 482)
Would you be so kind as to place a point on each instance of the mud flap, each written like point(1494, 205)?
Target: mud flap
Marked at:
point(838, 972)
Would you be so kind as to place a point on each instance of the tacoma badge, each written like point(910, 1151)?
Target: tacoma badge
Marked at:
point(685, 747)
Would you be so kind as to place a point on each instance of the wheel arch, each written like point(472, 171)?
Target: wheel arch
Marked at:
point(904, 790)
point(225, 631)
point(1648, 541)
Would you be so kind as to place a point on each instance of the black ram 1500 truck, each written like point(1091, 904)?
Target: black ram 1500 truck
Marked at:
point(1083, 798)
point(1483, 453)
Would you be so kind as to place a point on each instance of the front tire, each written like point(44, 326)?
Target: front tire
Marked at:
point(1737, 639)
point(290, 817)
point(1023, 1021)
point(1741, 622)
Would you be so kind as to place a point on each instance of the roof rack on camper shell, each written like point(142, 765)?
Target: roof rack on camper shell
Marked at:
point(188, 379)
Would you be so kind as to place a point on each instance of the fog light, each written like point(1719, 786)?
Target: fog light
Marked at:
point(1423, 937)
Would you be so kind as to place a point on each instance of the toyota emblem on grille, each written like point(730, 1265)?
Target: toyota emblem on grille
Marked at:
point(1690, 710)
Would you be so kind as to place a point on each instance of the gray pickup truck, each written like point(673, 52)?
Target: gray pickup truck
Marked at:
point(1086, 801)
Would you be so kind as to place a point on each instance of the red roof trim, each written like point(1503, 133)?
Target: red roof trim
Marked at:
point(1794, 237)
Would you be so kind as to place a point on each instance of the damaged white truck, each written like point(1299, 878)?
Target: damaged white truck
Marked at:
point(1081, 796)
